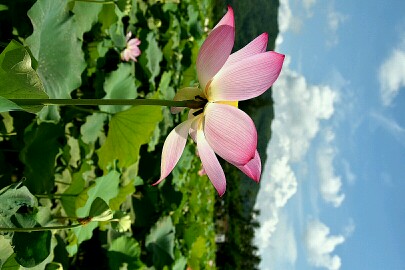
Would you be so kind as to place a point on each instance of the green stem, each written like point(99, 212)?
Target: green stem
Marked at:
point(96, 1)
point(54, 196)
point(40, 229)
point(193, 104)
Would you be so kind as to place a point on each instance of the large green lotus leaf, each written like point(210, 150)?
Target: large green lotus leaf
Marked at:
point(105, 188)
point(160, 241)
point(125, 250)
point(39, 154)
point(31, 248)
point(120, 84)
point(7, 105)
point(18, 79)
point(11, 200)
point(75, 188)
point(107, 16)
point(128, 130)
point(5, 249)
point(56, 44)
point(180, 263)
point(93, 127)
point(123, 194)
point(165, 91)
point(11, 263)
point(86, 14)
point(151, 58)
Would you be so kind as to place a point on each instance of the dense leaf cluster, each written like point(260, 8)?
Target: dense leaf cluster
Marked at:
point(91, 168)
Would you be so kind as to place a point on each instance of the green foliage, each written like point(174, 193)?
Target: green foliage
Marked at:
point(17, 207)
point(128, 130)
point(95, 165)
point(18, 79)
point(34, 253)
point(160, 242)
point(151, 58)
point(119, 84)
point(39, 154)
point(125, 250)
point(105, 188)
point(56, 34)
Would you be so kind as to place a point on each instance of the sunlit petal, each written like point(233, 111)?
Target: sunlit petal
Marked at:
point(134, 42)
point(253, 168)
point(230, 132)
point(214, 52)
point(247, 78)
point(194, 125)
point(173, 148)
point(258, 45)
point(211, 164)
point(227, 19)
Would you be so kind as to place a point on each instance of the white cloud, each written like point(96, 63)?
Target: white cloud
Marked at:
point(330, 183)
point(349, 228)
point(284, 16)
point(391, 126)
point(298, 109)
point(349, 175)
point(286, 21)
point(282, 251)
point(308, 4)
point(334, 20)
point(320, 246)
point(392, 74)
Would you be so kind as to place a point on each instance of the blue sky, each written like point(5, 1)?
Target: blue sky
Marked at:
point(333, 189)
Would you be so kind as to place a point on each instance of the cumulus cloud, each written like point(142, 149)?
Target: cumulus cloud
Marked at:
point(299, 108)
point(320, 246)
point(392, 74)
point(330, 183)
point(286, 21)
point(282, 251)
point(284, 16)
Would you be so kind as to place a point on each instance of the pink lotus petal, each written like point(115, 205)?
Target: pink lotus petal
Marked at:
point(134, 42)
point(173, 148)
point(227, 19)
point(128, 36)
point(246, 78)
point(211, 164)
point(187, 93)
point(230, 132)
point(258, 45)
point(195, 124)
point(214, 52)
point(253, 168)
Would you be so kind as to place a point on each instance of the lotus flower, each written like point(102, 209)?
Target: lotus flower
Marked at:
point(132, 50)
point(219, 127)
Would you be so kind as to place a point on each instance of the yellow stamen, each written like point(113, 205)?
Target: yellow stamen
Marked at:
point(232, 103)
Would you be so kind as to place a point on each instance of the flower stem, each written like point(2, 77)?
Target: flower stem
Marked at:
point(96, 1)
point(55, 196)
point(193, 104)
point(40, 229)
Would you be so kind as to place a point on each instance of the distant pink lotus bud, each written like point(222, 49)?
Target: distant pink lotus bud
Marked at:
point(132, 50)
point(220, 128)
